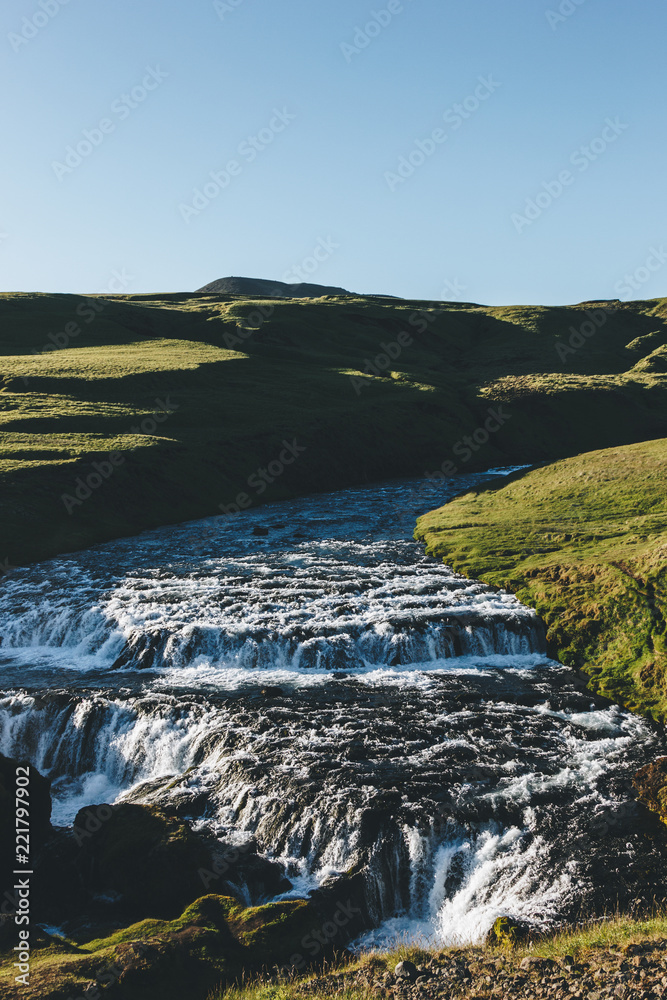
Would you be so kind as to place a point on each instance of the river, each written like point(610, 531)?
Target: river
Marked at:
point(302, 675)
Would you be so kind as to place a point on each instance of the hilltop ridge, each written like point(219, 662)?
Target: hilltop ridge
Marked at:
point(120, 413)
point(262, 287)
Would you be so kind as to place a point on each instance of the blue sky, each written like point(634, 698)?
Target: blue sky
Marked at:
point(303, 112)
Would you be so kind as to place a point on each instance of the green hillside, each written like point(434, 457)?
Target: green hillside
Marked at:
point(121, 413)
point(584, 542)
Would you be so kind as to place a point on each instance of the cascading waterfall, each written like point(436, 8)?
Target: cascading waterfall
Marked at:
point(303, 677)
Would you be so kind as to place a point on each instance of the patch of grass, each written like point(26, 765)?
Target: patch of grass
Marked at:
point(291, 991)
point(584, 542)
point(601, 935)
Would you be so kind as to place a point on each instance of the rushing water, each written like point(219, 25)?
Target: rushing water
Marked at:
point(304, 676)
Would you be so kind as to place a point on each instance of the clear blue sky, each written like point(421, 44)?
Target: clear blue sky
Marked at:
point(329, 176)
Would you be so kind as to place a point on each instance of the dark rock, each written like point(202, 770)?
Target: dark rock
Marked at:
point(406, 970)
point(258, 530)
point(532, 964)
point(271, 691)
point(58, 890)
point(149, 860)
point(124, 863)
point(8, 931)
point(238, 870)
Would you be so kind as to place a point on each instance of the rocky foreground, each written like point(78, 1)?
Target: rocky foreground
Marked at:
point(122, 874)
point(636, 970)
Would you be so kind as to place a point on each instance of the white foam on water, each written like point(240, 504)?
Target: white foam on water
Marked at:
point(205, 675)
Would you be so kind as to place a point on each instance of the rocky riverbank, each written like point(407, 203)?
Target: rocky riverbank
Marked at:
point(624, 969)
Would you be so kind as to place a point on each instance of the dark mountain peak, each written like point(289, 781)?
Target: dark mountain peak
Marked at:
point(262, 288)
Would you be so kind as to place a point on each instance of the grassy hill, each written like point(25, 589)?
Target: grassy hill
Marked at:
point(120, 413)
point(584, 542)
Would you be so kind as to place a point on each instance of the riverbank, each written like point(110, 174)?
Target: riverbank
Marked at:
point(584, 542)
point(123, 413)
point(622, 958)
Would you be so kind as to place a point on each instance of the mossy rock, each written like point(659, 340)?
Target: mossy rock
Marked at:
point(149, 859)
point(508, 932)
point(213, 942)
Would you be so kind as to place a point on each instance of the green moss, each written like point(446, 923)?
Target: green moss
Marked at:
point(507, 932)
point(584, 542)
point(213, 940)
point(274, 930)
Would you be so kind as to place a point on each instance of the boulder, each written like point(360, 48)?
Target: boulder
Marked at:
point(213, 943)
point(141, 856)
point(406, 970)
point(508, 931)
point(126, 862)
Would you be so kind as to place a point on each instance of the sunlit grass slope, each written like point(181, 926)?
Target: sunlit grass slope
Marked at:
point(187, 396)
point(584, 542)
